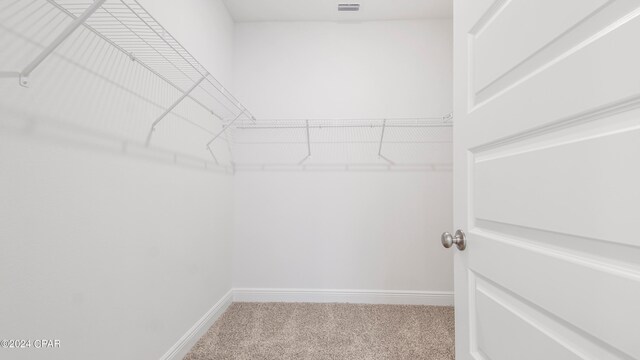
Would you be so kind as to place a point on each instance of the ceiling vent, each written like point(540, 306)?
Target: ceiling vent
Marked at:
point(348, 7)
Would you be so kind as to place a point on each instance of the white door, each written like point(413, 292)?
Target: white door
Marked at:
point(547, 169)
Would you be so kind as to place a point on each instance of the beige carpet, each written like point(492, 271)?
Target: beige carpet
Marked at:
point(259, 331)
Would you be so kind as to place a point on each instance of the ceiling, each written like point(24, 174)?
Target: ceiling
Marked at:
point(327, 10)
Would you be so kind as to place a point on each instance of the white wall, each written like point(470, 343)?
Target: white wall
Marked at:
point(344, 230)
point(204, 28)
point(361, 231)
point(114, 250)
point(344, 70)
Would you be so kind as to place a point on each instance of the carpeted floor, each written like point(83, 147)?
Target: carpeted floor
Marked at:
point(260, 331)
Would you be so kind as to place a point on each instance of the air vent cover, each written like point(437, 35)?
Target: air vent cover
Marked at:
point(348, 7)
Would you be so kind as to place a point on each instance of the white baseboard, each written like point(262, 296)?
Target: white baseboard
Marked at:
point(437, 298)
point(182, 347)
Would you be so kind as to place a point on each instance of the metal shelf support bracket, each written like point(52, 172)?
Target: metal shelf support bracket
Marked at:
point(308, 144)
point(76, 23)
point(213, 155)
point(384, 127)
point(173, 106)
point(224, 128)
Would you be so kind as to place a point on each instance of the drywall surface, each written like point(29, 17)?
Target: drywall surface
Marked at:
point(344, 229)
point(116, 257)
point(316, 230)
point(344, 70)
point(204, 28)
point(113, 249)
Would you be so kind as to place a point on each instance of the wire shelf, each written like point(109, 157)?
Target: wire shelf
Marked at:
point(127, 26)
point(136, 81)
point(344, 144)
point(110, 53)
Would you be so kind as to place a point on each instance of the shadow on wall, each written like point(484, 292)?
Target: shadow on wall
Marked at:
point(56, 133)
point(46, 130)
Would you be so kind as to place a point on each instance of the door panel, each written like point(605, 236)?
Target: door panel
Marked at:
point(534, 334)
point(496, 313)
point(576, 86)
point(576, 176)
point(509, 33)
point(613, 18)
point(599, 298)
point(547, 167)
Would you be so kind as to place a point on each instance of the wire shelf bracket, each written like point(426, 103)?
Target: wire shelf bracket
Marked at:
point(230, 148)
point(213, 156)
point(384, 127)
point(308, 144)
point(75, 24)
point(224, 128)
point(173, 106)
point(224, 131)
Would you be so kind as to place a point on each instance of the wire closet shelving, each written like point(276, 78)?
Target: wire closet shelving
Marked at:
point(401, 144)
point(98, 36)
